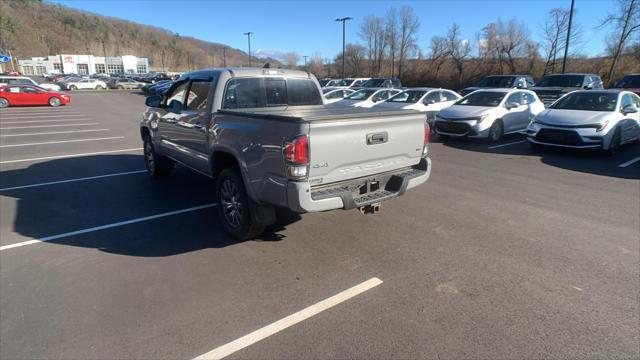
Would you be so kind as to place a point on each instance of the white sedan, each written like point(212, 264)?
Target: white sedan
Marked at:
point(366, 98)
point(588, 119)
point(333, 95)
point(426, 100)
point(23, 80)
point(489, 113)
point(86, 84)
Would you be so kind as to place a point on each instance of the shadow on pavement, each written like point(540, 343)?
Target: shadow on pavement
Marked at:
point(586, 161)
point(62, 208)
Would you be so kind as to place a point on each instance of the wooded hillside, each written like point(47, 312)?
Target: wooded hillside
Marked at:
point(32, 28)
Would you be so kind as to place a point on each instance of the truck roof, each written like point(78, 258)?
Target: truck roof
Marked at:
point(248, 71)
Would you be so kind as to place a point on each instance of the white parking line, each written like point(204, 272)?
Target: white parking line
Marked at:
point(41, 121)
point(55, 132)
point(45, 126)
point(507, 144)
point(69, 156)
point(632, 161)
point(260, 334)
point(103, 227)
point(72, 180)
point(29, 116)
point(62, 141)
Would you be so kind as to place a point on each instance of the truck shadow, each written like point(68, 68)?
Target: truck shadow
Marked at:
point(586, 161)
point(44, 211)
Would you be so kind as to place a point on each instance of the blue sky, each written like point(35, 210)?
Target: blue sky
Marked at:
point(307, 27)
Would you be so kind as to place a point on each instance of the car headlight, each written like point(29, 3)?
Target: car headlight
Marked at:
point(602, 126)
point(480, 119)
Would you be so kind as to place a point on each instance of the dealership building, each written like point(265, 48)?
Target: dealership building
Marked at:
point(84, 64)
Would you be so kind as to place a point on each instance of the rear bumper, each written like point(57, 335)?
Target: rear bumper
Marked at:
point(302, 198)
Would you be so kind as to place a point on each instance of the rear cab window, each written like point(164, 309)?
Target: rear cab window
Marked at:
point(257, 92)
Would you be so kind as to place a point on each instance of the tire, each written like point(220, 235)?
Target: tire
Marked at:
point(158, 166)
point(496, 131)
point(120, 87)
point(235, 207)
point(614, 145)
point(4, 103)
point(99, 87)
point(73, 87)
point(54, 101)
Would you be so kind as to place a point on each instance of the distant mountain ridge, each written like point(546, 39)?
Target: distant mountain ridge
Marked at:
point(32, 28)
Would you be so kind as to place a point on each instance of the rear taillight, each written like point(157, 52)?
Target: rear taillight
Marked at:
point(425, 147)
point(427, 130)
point(296, 156)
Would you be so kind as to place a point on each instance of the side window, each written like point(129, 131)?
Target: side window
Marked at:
point(244, 93)
point(530, 98)
point(515, 98)
point(598, 82)
point(381, 95)
point(432, 98)
point(449, 96)
point(176, 99)
point(636, 100)
point(626, 101)
point(28, 90)
point(198, 94)
point(14, 89)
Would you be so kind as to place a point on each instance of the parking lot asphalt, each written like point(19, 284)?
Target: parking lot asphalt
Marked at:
point(506, 252)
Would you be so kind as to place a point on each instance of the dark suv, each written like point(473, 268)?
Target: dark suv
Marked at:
point(552, 87)
point(630, 82)
point(500, 81)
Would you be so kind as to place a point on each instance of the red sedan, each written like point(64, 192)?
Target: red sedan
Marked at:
point(18, 95)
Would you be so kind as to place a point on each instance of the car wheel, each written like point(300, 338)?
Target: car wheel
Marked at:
point(99, 87)
point(234, 206)
point(614, 145)
point(4, 103)
point(496, 131)
point(73, 87)
point(158, 166)
point(54, 101)
point(120, 87)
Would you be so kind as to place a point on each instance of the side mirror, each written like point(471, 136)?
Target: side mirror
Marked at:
point(512, 105)
point(629, 109)
point(153, 101)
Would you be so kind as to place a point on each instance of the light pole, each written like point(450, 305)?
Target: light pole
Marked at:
point(249, 40)
point(305, 61)
point(566, 47)
point(344, 20)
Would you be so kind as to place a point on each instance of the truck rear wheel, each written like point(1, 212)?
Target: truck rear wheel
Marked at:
point(235, 207)
point(157, 165)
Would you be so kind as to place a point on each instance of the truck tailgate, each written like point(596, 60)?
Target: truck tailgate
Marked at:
point(349, 148)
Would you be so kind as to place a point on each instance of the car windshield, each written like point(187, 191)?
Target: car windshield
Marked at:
point(589, 101)
point(482, 98)
point(360, 95)
point(409, 96)
point(496, 81)
point(628, 82)
point(561, 81)
point(373, 83)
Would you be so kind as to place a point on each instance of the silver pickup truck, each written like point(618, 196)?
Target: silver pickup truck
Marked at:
point(267, 139)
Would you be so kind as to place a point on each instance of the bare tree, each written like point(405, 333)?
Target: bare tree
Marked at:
point(514, 38)
point(438, 52)
point(626, 22)
point(355, 59)
point(291, 59)
point(316, 66)
point(554, 33)
point(458, 50)
point(409, 24)
point(391, 36)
